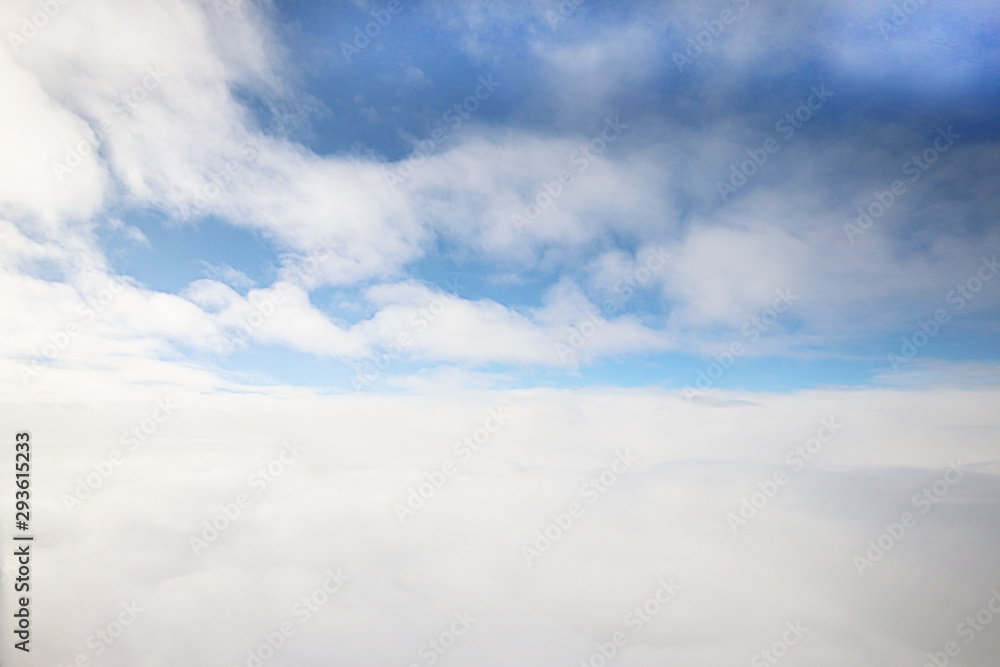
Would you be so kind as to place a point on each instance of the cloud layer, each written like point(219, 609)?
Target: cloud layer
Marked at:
point(482, 478)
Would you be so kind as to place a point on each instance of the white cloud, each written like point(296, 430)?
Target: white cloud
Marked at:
point(664, 518)
point(724, 275)
point(36, 132)
point(593, 77)
point(229, 275)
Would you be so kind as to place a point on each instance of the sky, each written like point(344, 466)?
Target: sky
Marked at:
point(693, 231)
point(220, 155)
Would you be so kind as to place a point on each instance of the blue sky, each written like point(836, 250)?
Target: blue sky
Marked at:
point(230, 170)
